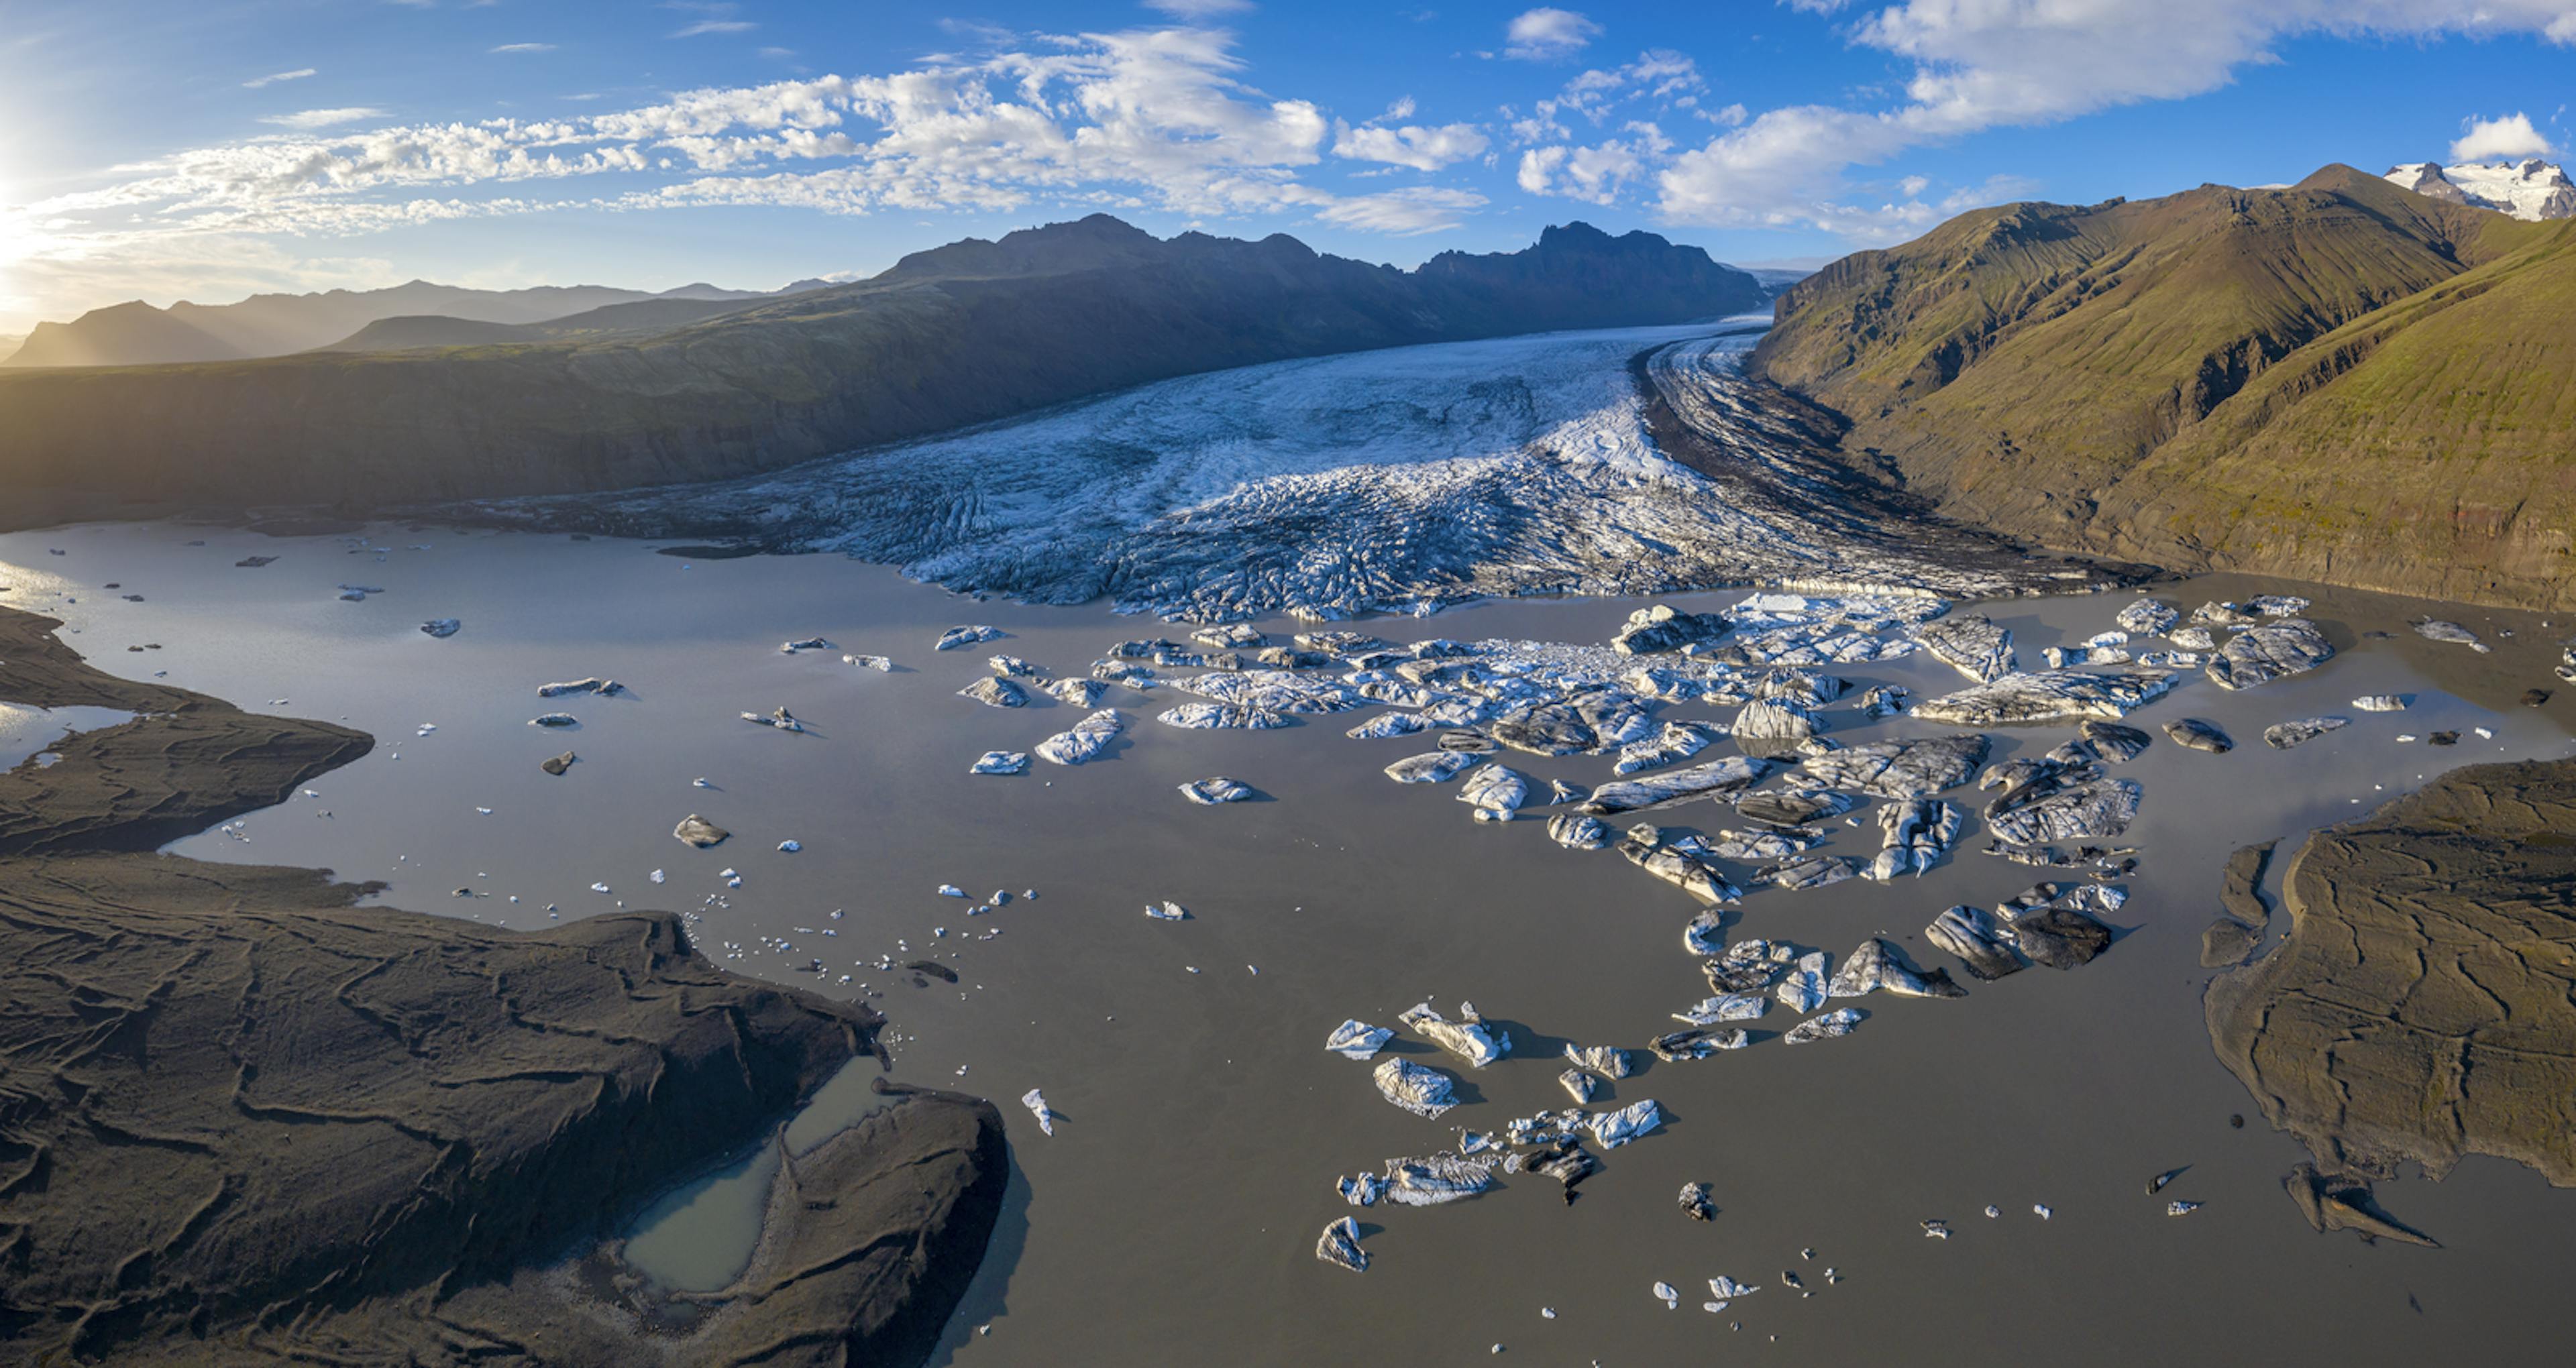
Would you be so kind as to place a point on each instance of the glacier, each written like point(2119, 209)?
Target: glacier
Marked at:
point(1385, 481)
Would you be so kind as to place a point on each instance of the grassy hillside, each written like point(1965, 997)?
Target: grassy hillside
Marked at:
point(965, 334)
point(2341, 380)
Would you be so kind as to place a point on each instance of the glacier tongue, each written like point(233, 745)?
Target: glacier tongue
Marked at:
point(1378, 481)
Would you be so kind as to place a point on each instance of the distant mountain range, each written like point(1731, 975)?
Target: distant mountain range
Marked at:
point(137, 334)
point(637, 392)
point(2339, 380)
point(2533, 189)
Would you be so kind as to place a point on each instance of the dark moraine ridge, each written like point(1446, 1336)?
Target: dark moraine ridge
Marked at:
point(243, 1120)
point(2423, 1004)
point(962, 334)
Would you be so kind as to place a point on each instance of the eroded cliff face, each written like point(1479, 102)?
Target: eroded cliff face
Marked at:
point(2342, 382)
point(2423, 1004)
point(245, 1120)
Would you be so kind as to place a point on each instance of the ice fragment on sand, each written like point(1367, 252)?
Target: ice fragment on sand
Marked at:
point(1468, 1037)
point(1001, 762)
point(2284, 735)
point(700, 832)
point(961, 637)
point(2434, 629)
point(1340, 1246)
point(1085, 740)
point(1418, 1089)
point(1357, 1039)
point(1036, 1102)
point(1831, 1026)
point(2381, 703)
point(1210, 792)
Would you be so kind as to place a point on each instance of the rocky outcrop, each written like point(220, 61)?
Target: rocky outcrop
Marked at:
point(2420, 1007)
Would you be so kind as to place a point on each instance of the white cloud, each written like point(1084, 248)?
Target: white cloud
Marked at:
point(257, 82)
point(1152, 120)
point(1423, 149)
point(1980, 64)
point(525, 47)
point(1548, 35)
point(2507, 138)
point(706, 26)
point(1594, 174)
point(322, 118)
point(1199, 9)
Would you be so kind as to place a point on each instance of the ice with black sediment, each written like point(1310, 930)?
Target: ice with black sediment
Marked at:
point(2050, 696)
point(1909, 767)
point(1330, 487)
point(1731, 774)
point(1972, 645)
point(2274, 650)
point(1085, 740)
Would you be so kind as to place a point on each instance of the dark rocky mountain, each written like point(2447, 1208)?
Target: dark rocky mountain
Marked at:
point(2340, 381)
point(966, 333)
point(137, 334)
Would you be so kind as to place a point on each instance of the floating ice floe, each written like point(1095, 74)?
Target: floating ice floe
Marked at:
point(2050, 696)
point(1808, 871)
point(1577, 832)
point(1437, 767)
point(1729, 1289)
point(1777, 729)
point(2148, 617)
point(878, 663)
point(1915, 834)
point(1678, 741)
point(2277, 605)
point(960, 637)
point(1972, 935)
point(1663, 629)
point(1274, 691)
point(1496, 791)
point(1357, 1039)
point(1012, 667)
point(995, 692)
point(700, 832)
point(554, 720)
point(1698, 1202)
point(1360, 1189)
point(1803, 988)
point(2275, 650)
point(2381, 703)
point(1886, 700)
point(1970, 644)
point(2179, 1208)
point(1647, 848)
point(1615, 1128)
point(557, 764)
point(1669, 1295)
point(2284, 735)
point(1419, 1089)
point(2219, 614)
point(1340, 1246)
point(1085, 740)
point(1001, 762)
point(1232, 634)
point(790, 847)
point(441, 627)
point(1080, 693)
point(1609, 1061)
point(1221, 717)
point(777, 717)
point(951, 891)
point(2106, 741)
point(1210, 792)
point(1831, 1026)
point(2434, 629)
point(1169, 911)
point(1578, 1085)
point(1705, 934)
point(1915, 767)
point(2053, 925)
point(1880, 967)
point(1036, 1102)
point(804, 644)
point(2194, 734)
point(2059, 657)
point(2063, 806)
point(593, 685)
point(1733, 773)
point(1696, 1043)
point(1468, 1037)
point(1384, 725)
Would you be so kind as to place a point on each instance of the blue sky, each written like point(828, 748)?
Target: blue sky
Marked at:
point(209, 150)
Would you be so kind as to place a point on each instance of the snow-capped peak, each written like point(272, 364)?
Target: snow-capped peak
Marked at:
point(2530, 189)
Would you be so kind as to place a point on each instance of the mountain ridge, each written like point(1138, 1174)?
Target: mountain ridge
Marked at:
point(964, 334)
point(2341, 380)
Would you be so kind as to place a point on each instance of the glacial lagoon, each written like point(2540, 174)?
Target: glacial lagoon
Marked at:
point(1200, 1125)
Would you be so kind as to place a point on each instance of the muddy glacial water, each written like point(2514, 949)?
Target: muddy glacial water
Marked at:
point(1172, 1217)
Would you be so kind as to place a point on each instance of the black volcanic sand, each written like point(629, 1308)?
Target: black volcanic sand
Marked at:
point(243, 1120)
point(2423, 1004)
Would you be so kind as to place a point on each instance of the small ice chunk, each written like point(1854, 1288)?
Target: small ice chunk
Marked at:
point(2381, 702)
point(1001, 762)
point(1468, 1037)
point(1357, 1039)
point(1340, 1246)
point(1830, 1026)
point(2181, 1208)
point(1036, 1102)
point(791, 847)
point(1670, 1297)
point(1170, 911)
point(961, 637)
point(1417, 1088)
point(1613, 1129)
point(951, 891)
